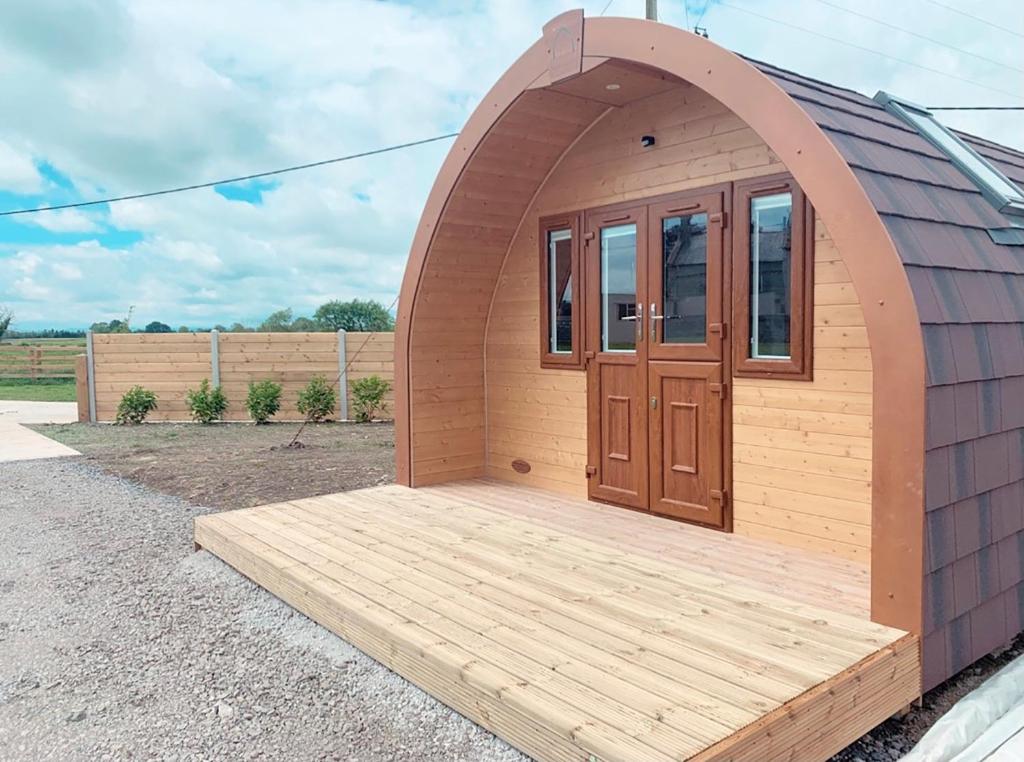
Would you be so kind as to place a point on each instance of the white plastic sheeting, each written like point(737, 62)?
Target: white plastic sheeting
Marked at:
point(987, 724)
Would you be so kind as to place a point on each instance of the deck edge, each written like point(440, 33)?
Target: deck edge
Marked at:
point(829, 717)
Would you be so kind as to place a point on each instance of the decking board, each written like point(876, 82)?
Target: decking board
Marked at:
point(567, 643)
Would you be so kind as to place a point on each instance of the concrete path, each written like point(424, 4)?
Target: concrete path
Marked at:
point(20, 443)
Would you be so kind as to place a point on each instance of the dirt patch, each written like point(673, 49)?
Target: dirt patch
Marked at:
point(238, 465)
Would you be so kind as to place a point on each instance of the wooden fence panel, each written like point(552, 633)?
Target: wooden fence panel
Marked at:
point(290, 359)
point(171, 363)
point(38, 361)
point(372, 354)
point(168, 364)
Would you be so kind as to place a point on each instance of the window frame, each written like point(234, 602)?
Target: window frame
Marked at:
point(798, 366)
point(573, 222)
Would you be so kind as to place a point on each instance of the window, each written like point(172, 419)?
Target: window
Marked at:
point(559, 292)
point(773, 272)
point(994, 185)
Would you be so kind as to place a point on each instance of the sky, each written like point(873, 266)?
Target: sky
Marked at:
point(111, 97)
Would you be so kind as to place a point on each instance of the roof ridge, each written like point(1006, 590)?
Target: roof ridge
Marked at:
point(867, 101)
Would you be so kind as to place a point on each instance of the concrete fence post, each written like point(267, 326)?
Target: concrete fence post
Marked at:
point(215, 357)
point(342, 377)
point(90, 359)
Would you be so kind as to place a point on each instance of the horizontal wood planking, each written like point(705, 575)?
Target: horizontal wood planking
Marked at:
point(38, 361)
point(529, 408)
point(488, 597)
point(168, 365)
point(171, 364)
point(802, 454)
point(457, 283)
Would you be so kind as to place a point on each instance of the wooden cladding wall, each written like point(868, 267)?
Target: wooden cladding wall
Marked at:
point(169, 364)
point(446, 340)
point(540, 415)
point(801, 451)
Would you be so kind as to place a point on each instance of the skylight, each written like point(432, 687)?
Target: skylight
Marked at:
point(994, 185)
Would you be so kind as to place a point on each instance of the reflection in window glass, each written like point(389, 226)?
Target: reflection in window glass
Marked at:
point(684, 252)
point(618, 288)
point(560, 292)
point(770, 283)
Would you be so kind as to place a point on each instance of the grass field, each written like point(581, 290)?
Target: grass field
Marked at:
point(57, 390)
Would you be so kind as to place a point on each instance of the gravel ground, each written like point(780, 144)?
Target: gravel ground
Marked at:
point(118, 642)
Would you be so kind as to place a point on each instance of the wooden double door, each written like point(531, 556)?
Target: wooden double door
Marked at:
point(657, 355)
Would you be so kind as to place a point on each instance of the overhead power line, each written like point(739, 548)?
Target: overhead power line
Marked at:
point(979, 19)
point(229, 180)
point(840, 41)
point(975, 108)
point(918, 35)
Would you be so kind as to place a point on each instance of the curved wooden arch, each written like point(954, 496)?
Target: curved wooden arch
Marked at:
point(858, 231)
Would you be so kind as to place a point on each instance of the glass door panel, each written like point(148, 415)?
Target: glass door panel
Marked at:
point(685, 277)
point(619, 316)
point(684, 258)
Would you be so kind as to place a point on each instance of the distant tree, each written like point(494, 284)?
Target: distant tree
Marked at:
point(277, 321)
point(6, 316)
point(157, 327)
point(304, 324)
point(183, 329)
point(221, 328)
point(356, 315)
point(118, 326)
point(100, 327)
point(239, 328)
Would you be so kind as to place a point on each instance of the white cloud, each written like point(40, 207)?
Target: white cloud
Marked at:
point(18, 172)
point(67, 271)
point(62, 221)
point(134, 95)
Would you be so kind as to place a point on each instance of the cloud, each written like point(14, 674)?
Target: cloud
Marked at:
point(62, 221)
point(126, 96)
point(18, 172)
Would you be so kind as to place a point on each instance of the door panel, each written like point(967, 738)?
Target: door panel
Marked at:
point(617, 370)
point(686, 474)
point(621, 441)
point(685, 245)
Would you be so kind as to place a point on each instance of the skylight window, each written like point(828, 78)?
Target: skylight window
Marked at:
point(994, 185)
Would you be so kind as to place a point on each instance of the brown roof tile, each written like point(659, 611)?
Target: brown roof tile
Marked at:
point(941, 420)
point(936, 477)
point(938, 601)
point(961, 473)
point(965, 585)
point(1012, 393)
point(966, 401)
point(1007, 510)
point(935, 658)
point(960, 651)
point(1011, 561)
point(988, 627)
point(940, 538)
point(991, 462)
point(939, 355)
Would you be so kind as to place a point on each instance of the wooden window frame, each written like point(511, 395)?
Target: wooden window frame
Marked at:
point(572, 221)
point(798, 366)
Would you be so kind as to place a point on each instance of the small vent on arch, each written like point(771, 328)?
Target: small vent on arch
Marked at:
point(520, 466)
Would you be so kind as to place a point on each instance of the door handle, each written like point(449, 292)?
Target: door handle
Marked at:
point(654, 317)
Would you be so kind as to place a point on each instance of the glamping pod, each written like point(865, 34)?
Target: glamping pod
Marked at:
point(709, 414)
point(654, 274)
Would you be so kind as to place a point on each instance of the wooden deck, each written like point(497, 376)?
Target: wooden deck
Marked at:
point(581, 632)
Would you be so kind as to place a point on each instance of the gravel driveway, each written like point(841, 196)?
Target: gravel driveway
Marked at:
point(117, 641)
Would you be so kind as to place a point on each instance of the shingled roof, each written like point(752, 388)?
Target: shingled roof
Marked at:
point(969, 292)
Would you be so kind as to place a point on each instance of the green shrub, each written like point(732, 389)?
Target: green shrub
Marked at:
point(263, 400)
point(317, 400)
point(368, 397)
point(207, 404)
point(135, 405)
